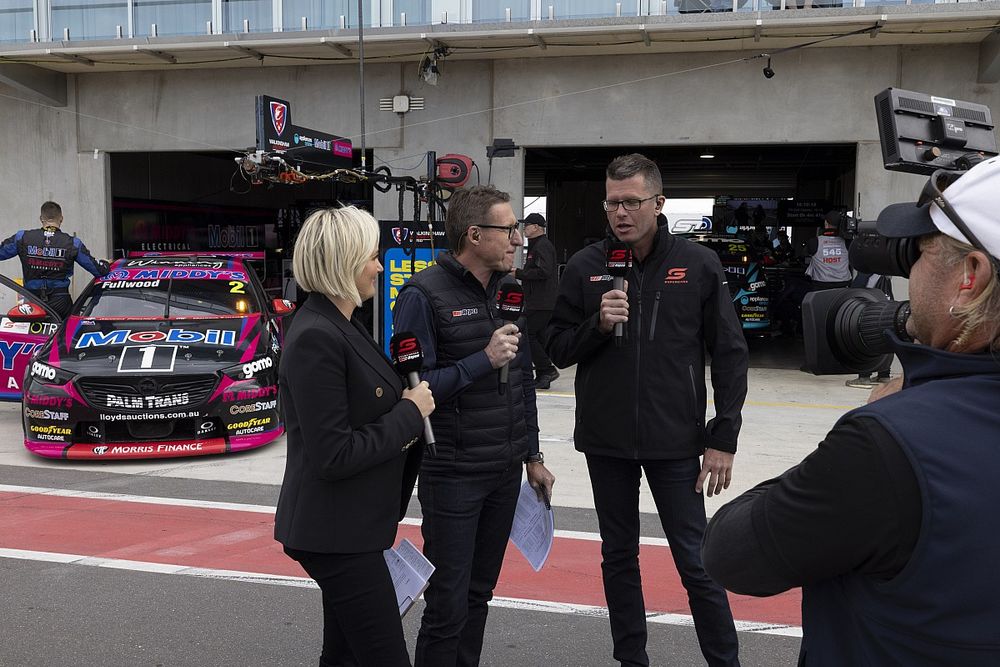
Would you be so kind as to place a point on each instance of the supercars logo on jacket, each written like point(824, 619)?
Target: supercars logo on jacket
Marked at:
point(676, 275)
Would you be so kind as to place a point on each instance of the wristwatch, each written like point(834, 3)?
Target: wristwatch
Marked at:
point(535, 458)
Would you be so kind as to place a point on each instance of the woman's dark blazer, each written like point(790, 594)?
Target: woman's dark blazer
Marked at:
point(351, 460)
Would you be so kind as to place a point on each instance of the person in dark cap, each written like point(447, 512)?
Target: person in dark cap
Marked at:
point(890, 526)
point(540, 280)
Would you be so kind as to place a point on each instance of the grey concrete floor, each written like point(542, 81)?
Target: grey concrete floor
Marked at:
point(65, 614)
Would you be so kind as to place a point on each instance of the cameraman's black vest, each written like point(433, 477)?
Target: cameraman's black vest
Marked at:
point(479, 429)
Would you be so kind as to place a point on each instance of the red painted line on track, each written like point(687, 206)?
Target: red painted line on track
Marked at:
point(243, 540)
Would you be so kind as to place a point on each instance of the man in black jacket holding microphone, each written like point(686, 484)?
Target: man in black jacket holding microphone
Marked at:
point(485, 430)
point(640, 403)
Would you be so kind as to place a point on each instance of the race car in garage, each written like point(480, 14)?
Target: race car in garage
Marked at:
point(747, 280)
point(163, 357)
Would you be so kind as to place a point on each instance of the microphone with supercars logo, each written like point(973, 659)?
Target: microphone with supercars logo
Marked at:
point(619, 261)
point(408, 359)
point(510, 301)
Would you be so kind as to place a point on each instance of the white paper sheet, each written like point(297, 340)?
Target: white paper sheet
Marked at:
point(410, 572)
point(533, 527)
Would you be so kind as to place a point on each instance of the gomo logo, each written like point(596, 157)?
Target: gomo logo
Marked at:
point(43, 371)
point(254, 367)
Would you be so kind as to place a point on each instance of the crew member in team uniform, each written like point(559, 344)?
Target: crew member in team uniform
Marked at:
point(47, 256)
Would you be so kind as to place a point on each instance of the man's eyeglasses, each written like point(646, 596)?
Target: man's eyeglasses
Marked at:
point(510, 230)
point(629, 204)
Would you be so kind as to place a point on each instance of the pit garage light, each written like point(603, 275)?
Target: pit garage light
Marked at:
point(707, 156)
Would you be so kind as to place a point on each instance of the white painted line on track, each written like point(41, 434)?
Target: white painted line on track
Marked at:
point(564, 608)
point(238, 507)
point(127, 498)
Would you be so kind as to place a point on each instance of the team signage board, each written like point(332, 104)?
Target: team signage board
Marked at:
point(277, 134)
point(405, 249)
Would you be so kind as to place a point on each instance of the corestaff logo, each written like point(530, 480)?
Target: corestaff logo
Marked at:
point(279, 114)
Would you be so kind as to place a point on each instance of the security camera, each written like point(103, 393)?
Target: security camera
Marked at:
point(768, 72)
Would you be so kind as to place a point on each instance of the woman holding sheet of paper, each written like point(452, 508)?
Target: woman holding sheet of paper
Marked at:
point(351, 427)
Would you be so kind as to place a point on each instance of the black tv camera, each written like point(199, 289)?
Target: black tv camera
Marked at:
point(846, 329)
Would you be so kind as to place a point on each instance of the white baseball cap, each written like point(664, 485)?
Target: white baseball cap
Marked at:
point(975, 196)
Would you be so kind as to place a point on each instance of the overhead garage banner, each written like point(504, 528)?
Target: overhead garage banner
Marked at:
point(405, 249)
point(147, 226)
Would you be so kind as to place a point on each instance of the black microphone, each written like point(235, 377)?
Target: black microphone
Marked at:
point(619, 260)
point(510, 301)
point(408, 359)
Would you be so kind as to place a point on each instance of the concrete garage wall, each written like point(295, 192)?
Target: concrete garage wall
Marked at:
point(41, 160)
point(817, 95)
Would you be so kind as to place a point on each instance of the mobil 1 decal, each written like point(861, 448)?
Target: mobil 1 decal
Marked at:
point(147, 359)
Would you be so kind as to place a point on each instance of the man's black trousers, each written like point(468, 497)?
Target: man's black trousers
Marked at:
point(466, 524)
point(537, 321)
point(615, 482)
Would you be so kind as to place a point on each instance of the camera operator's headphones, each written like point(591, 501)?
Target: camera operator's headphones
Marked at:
point(934, 192)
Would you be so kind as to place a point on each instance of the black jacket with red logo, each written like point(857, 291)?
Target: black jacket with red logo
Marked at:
point(646, 399)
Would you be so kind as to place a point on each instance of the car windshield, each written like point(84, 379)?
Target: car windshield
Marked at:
point(188, 298)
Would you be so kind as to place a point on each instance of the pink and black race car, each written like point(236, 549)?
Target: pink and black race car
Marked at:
point(164, 356)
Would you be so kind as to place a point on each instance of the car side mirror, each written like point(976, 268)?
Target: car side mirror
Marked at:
point(27, 312)
point(282, 307)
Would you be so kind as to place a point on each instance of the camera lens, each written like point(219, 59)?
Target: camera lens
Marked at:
point(858, 328)
point(845, 329)
point(871, 252)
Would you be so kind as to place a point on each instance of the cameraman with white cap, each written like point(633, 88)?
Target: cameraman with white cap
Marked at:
point(891, 526)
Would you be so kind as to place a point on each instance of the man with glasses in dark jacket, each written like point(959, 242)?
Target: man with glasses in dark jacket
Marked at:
point(640, 405)
point(485, 430)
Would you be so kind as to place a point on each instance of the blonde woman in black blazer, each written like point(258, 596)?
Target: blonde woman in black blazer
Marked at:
point(352, 434)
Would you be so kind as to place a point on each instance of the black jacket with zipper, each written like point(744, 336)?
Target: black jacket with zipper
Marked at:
point(646, 399)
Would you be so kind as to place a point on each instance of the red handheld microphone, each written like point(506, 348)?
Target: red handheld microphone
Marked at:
point(510, 301)
point(619, 261)
point(408, 359)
